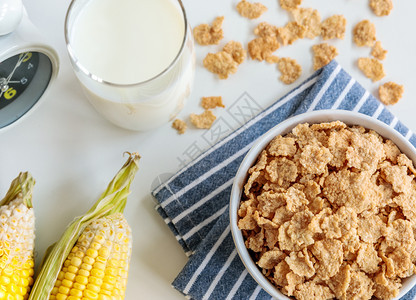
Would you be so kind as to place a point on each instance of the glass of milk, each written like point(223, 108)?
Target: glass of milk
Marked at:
point(134, 58)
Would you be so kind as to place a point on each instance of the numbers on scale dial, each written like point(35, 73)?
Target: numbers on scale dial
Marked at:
point(16, 74)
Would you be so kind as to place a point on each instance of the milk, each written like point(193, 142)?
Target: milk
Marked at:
point(134, 58)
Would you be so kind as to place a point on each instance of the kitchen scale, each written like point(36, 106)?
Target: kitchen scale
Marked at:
point(28, 65)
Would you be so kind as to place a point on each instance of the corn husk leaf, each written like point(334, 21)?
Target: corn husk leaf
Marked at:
point(22, 186)
point(113, 200)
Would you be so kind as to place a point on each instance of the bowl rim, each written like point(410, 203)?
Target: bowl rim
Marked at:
point(312, 117)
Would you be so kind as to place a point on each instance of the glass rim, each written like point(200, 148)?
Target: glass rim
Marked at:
point(80, 66)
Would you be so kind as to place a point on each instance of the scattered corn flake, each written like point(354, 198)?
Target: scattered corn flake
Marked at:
point(204, 120)
point(282, 146)
point(281, 170)
point(271, 258)
point(290, 4)
point(323, 54)
point(360, 287)
point(329, 255)
point(180, 126)
point(333, 27)
point(367, 258)
point(251, 10)
point(310, 290)
point(372, 68)
point(220, 63)
point(310, 19)
point(398, 263)
point(272, 59)
point(293, 280)
point(212, 102)
point(300, 263)
point(205, 34)
point(400, 235)
point(314, 159)
point(371, 228)
point(340, 282)
point(290, 70)
point(280, 272)
point(236, 50)
point(261, 48)
point(378, 51)
point(265, 30)
point(364, 33)
point(381, 7)
point(291, 32)
point(397, 176)
point(255, 242)
point(390, 93)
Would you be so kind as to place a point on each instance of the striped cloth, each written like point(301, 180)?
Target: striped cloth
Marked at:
point(194, 202)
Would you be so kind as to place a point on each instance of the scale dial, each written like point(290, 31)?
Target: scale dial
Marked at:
point(23, 80)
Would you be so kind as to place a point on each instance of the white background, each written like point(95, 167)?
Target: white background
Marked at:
point(73, 152)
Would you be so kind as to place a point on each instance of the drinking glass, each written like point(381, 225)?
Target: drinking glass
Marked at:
point(142, 105)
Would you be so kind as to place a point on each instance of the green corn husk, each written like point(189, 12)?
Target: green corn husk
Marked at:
point(22, 184)
point(113, 200)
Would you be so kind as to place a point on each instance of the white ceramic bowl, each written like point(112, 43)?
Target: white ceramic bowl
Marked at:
point(349, 118)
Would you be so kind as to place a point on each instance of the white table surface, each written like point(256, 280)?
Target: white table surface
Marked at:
point(73, 152)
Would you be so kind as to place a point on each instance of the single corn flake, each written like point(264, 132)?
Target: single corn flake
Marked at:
point(205, 34)
point(250, 10)
point(372, 68)
point(311, 290)
point(323, 54)
point(360, 287)
point(290, 70)
point(364, 33)
point(271, 258)
point(236, 50)
point(367, 259)
point(329, 255)
point(333, 27)
point(390, 93)
point(310, 19)
point(212, 102)
point(179, 125)
point(291, 32)
point(262, 48)
point(265, 30)
point(220, 63)
point(378, 51)
point(290, 4)
point(381, 7)
point(204, 120)
point(300, 263)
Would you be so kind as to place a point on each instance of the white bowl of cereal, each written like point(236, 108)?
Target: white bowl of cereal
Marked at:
point(323, 206)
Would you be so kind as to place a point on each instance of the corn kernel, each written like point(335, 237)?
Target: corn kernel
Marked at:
point(12, 288)
point(4, 280)
point(90, 294)
point(88, 260)
point(111, 271)
point(95, 245)
point(69, 276)
point(63, 290)
point(99, 265)
point(24, 282)
point(76, 293)
point(97, 272)
point(92, 253)
point(110, 279)
point(103, 297)
point(61, 297)
point(67, 283)
point(93, 287)
point(76, 261)
point(81, 279)
point(61, 275)
point(54, 290)
point(79, 286)
point(72, 269)
point(7, 271)
point(83, 272)
point(87, 267)
point(73, 298)
point(95, 280)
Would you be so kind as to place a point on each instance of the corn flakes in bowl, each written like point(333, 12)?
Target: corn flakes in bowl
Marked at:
point(323, 206)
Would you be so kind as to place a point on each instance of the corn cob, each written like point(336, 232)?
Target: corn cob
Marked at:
point(17, 239)
point(91, 260)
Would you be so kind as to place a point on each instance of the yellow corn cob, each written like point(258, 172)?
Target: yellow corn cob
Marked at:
point(17, 239)
point(91, 260)
point(97, 266)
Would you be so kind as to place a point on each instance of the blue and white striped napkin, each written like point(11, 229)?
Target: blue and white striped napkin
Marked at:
point(194, 202)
